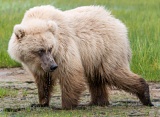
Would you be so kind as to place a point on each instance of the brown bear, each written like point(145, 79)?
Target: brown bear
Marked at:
point(85, 45)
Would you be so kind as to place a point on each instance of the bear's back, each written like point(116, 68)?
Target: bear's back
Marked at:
point(44, 12)
point(97, 34)
point(87, 12)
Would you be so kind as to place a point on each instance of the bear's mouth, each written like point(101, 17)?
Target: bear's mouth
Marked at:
point(51, 68)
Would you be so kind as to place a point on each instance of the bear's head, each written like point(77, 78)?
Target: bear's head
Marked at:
point(33, 43)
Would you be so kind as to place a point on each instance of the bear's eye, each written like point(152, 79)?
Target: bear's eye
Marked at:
point(41, 51)
point(50, 50)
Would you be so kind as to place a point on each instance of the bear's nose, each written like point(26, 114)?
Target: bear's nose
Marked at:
point(53, 67)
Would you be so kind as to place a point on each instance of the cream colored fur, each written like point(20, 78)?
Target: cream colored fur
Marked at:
point(88, 44)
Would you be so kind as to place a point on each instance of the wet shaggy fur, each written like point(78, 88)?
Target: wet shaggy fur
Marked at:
point(89, 46)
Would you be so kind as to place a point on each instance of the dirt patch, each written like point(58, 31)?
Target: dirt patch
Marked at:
point(18, 79)
point(14, 74)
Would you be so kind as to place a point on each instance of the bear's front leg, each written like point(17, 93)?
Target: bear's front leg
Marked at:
point(71, 88)
point(44, 85)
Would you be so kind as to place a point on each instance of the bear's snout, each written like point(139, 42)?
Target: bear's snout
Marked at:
point(48, 63)
point(53, 67)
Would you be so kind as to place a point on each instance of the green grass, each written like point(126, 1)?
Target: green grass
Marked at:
point(4, 92)
point(118, 111)
point(140, 16)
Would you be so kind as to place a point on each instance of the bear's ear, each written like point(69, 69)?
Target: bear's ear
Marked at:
point(52, 26)
point(19, 31)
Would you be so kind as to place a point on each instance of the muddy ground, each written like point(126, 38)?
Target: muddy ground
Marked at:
point(19, 80)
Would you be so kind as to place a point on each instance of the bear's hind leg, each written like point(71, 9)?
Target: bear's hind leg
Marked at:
point(130, 82)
